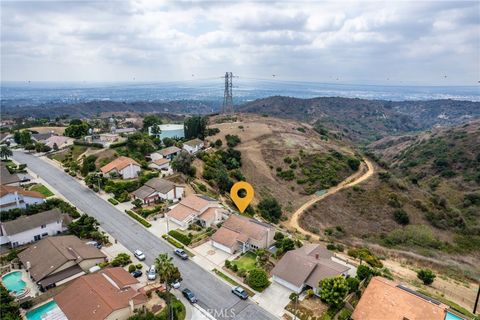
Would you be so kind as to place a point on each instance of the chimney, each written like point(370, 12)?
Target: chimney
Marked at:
point(317, 256)
point(130, 302)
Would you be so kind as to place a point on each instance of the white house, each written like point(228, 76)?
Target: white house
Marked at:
point(125, 167)
point(193, 146)
point(26, 229)
point(305, 267)
point(160, 164)
point(157, 188)
point(239, 233)
point(15, 197)
point(199, 208)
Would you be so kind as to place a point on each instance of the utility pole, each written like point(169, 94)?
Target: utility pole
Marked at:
point(476, 300)
point(227, 107)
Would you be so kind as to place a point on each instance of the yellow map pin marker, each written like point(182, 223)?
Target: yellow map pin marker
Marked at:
point(242, 203)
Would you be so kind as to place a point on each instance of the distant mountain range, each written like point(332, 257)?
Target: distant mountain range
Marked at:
point(359, 120)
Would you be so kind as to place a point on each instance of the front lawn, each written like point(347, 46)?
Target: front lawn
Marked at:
point(42, 189)
point(246, 262)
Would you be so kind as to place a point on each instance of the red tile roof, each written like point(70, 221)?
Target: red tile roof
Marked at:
point(383, 299)
point(118, 164)
point(96, 296)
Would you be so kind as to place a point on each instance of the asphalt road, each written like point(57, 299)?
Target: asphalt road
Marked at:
point(213, 294)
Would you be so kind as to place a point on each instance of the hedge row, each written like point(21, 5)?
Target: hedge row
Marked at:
point(113, 201)
point(135, 216)
point(180, 237)
point(173, 242)
point(87, 144)
point(118, 144)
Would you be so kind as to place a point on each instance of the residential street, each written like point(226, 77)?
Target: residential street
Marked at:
point(213, 294)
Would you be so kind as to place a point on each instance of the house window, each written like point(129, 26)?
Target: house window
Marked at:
point(37, 237)
point(15, 244)
point(43, 226)
point(44, 234)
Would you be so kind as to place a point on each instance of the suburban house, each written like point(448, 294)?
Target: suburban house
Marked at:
point(160, 164)
point(60, 141)
point(305, 267)
point(169, 153)
point(242, 233)
point(15, 197)
point(7, 178)
point(56, 260)
point(193, 146)
point(384, 299)
point(42, 137)
point(197, 208)
point(158, 188)
point(111, 293)
point(125, 167)
point(26, 229)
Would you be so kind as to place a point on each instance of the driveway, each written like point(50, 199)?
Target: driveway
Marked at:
point(214, 295)
point(274, 298)
point(213, 255)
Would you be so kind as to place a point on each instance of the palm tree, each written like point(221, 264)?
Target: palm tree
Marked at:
point(5, 152)
point(167, 274)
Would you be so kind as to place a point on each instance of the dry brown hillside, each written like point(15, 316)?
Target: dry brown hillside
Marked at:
point(265, 143)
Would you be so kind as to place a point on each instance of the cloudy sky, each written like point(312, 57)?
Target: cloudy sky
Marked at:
point(397, 42)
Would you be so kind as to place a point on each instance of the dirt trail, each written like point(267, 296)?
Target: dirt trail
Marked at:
point(356, 178)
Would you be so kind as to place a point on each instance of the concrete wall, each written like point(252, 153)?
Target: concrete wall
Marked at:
point(87, 264)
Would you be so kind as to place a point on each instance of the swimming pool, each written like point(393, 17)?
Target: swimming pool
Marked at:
point(14, 283)
point(451, 316)
point(37, 313)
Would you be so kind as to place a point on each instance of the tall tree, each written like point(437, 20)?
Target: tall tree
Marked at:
point(195, 127)
point(151, 120)
point(167, 275)
point(5, 152)
point(22, 137)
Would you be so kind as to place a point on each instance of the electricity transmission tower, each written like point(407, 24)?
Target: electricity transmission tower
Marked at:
point(227, 107)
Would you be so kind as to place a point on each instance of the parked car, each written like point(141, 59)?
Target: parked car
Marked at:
point(139, 255)
point(152, 273)
point(181, 253)
point(189, 295)
point(240, 292)
point(137, 273)
point(176, 285)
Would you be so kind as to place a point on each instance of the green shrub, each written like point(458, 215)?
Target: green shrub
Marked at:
point(139, 266)
point(113, 201)
point(353, 284)
point(426, 275)
point(132, 268)
point(26, 304)
point(121, 260)
point(365, 255)
point(228, 264)
point(257, 279)
point(363, 272)
point(180, 237)
point(135, 216)
point(401, 217)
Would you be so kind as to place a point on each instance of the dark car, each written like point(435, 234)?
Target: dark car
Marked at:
point(181, 253)
point(189, 295)
point(136, 273)
point(240, 292)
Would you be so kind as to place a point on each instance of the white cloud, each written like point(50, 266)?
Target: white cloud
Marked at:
point(313, 41)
